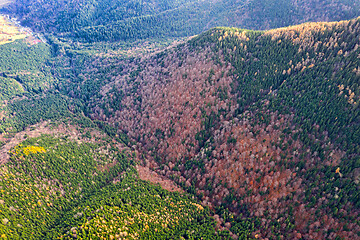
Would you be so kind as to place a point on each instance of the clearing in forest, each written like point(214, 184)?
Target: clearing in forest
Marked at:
point(8, 31)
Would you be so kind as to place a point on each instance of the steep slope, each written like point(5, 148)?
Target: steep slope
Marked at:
point(65, 16)
point(264, 124)
point(77, 182)
point(263, 127)
point(104, 20)
point(25, 64)
point(25, 80)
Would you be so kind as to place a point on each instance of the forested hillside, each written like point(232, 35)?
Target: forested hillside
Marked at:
point(61, 185)
point(23, 66)
point(25, 79)
point(262, 124)
point(255, 133)
point(104, 20)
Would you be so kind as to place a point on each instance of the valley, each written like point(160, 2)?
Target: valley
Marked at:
point(175, 120)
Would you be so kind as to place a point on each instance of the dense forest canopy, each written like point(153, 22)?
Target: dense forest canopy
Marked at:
point(104, 20)
point(255, 134)
point(265, 124)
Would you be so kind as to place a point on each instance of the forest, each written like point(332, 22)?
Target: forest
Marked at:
point(251, 138)
point(55, 187)
point(258, 127)
point(104, 20)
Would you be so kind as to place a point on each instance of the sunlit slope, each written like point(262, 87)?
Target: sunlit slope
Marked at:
point(25, 64)
point(9, 32)
point(66, 186)
point(23, 73)
point(265, 124)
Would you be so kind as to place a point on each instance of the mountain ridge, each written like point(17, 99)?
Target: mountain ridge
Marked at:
point(259, 128)
point(99, 20)
point(168, 105)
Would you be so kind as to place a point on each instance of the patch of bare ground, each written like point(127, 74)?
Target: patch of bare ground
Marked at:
point(46, 127)
point(148, 175)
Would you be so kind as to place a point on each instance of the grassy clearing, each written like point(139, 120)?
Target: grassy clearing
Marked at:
point(8, 32)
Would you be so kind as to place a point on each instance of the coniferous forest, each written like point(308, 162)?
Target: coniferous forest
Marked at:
point(173, 119)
